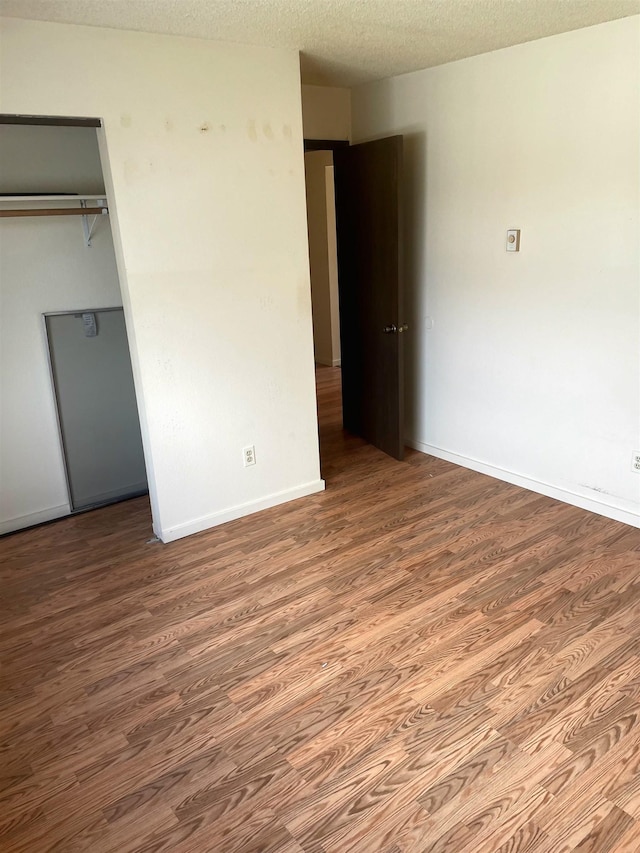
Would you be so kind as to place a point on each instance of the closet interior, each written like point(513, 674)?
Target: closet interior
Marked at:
point(70, 436)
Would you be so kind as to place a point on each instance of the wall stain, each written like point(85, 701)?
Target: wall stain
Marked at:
point(168, 125)
point(251, 130)
point(268, 132)
point(204, 127)
point(266, 302)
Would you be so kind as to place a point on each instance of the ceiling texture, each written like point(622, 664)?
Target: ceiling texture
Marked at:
point(342, 42)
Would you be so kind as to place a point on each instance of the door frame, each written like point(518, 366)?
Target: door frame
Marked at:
point(109, 194)
point(326, 145)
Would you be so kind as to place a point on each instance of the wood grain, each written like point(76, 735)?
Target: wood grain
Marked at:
point(419, 660)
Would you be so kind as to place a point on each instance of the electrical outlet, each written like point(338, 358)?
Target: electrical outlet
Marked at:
point(249, 456)
point(635, 462)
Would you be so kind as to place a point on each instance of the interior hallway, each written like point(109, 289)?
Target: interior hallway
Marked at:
point(420, 658)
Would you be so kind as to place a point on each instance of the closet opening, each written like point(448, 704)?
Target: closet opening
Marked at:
point(70, 429)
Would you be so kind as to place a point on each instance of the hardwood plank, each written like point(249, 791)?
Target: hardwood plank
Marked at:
point(419, 659)
point(607, 833)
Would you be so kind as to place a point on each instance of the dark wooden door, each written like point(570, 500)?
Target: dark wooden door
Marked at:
point(368, 217)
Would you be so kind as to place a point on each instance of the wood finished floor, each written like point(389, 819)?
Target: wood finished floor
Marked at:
point(419, 659)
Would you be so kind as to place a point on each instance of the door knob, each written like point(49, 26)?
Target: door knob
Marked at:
point(393, 329)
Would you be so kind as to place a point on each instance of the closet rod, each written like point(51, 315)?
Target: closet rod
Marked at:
point(95, 197)
point(56, 211)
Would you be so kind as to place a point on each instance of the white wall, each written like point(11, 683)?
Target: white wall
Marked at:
point(531, 369)
point(44, 266)
point(326, 112)
point(206, 192)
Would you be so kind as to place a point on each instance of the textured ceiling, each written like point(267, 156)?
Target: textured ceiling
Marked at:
point(343, 42)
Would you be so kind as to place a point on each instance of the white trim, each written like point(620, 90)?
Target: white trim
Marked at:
point(336, 362)
point(169, 534)
point(597, 505)
point(22, 521)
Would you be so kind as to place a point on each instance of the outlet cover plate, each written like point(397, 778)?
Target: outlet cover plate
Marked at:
point(513, 240)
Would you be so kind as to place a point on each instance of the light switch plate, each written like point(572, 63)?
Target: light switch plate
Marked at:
point(513, 240)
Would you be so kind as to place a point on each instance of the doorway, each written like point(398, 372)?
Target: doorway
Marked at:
point(355, 208)
point(70, 427)
point(323, 258)
point(325, 302)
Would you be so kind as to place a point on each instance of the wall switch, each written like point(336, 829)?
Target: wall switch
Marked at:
point(249, 456)
point(635, 462)
point(513, 240)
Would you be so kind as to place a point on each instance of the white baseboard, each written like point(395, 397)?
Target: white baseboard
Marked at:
point(169, 534)
point(597, 505)
point(22, 521)
point(336, 362)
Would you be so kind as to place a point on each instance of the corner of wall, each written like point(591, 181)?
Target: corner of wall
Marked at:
point(326, 112)
point(197, 525)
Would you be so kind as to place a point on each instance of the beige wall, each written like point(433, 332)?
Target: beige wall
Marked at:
point(322, 255)
point(332, 251)
point(326, 112)
point(205, 178)
point(525, 365)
